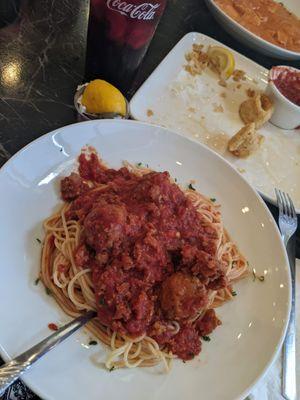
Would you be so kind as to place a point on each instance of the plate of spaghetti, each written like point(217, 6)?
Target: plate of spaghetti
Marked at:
point(165, 240)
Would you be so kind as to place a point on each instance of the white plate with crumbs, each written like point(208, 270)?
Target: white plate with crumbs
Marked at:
point(253, 323)
point(203, 109)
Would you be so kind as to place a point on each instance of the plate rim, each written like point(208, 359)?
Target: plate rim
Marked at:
point(268, 214)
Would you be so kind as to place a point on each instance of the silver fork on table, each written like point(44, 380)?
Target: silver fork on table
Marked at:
point(288, 226)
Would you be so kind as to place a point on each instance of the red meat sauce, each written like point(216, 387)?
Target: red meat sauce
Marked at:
point(287, 81)
point(153, 257)
point(52, 326)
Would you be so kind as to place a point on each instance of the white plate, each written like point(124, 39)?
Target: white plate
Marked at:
point(170, 92)
point(256, 42)
point(253, 324)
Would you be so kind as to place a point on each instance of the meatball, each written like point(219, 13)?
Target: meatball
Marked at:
point(105, 225)
point(182, 295)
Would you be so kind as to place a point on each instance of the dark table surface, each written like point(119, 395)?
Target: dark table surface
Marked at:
point(42, 59)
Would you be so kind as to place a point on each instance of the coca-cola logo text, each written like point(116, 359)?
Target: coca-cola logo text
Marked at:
point(145, 11)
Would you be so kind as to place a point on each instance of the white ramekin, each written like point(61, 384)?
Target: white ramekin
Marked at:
point(286, 113)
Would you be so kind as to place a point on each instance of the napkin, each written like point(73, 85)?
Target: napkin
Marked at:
point(270, 386)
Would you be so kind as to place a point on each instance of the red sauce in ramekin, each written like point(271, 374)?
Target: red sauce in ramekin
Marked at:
point(287, 81)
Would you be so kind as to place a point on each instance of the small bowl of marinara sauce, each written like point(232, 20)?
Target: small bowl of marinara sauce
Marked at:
point(284, 90)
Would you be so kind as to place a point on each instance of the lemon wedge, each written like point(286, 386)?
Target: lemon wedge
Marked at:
point(222, 60)
point(100, 97)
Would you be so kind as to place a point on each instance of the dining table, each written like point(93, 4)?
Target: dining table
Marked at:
point(42, 61)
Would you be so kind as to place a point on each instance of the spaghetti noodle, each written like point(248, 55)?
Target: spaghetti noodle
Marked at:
point(71, 259)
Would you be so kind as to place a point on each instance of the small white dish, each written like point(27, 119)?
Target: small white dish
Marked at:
point(253, 325)
point(250, 39)
point(286, 113)
point(190, 105)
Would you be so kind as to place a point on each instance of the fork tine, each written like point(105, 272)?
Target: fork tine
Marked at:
point(288, 211)
point(282, 208)
point(284, 205)
point(276, 192)
point(279, 201)
point(294, 215)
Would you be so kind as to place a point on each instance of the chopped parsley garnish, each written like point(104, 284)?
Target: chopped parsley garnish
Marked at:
point(191, 187)
point(112, 368)
point(101, 301)
point(139, 164)
point(175, 179)
point(48, 291)
point(213, 199)
point(36, 282)
point(92, 343)
point(38, 240)
point(206, 338)
point(61, 149)
point(233, 293)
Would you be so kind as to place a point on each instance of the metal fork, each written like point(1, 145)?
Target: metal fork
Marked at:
point(13, 369)
point(288, 226)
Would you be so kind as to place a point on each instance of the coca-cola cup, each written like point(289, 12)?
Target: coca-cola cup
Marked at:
point(119, 34)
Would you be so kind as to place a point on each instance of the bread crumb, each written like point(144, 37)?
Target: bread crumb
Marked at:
point(150, 113)
point(223, 94)
point(218, 108)
point(198, 47)
point(222, 83)
point(238, 86)
point(197, 60)
point(250, 92)
point(238, 75)
point(192, 109)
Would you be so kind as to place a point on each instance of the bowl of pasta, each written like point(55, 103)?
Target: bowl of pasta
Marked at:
point(173, 249)
point(270, 27)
